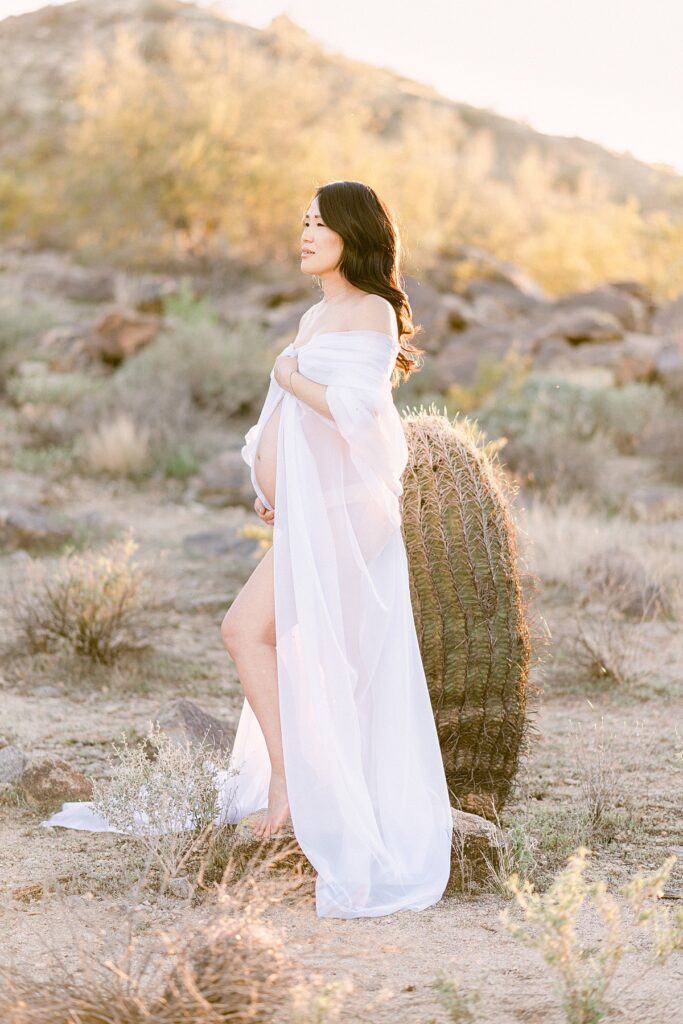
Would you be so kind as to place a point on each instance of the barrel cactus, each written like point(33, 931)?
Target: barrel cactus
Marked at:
point(468, 605)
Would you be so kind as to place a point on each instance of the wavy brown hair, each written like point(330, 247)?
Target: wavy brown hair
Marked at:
point(371, 255)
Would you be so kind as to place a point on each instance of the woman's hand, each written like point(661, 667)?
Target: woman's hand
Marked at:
point(264, 513)
point(283, 367)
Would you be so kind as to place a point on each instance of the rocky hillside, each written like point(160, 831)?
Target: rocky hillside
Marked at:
point(41, 50)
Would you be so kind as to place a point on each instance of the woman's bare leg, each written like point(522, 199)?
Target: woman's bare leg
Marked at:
point(248, 632)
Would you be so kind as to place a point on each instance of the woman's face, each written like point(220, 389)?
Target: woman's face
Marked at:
point(321, 247)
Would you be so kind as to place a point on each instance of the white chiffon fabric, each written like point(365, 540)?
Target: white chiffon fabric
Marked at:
point(365, 778)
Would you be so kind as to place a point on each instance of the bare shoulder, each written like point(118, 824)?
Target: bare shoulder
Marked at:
point(306, 316)
point(375, 313)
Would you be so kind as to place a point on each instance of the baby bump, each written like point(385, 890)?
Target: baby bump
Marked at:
point(265, 461)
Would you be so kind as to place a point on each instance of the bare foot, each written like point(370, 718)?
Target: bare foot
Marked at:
point(277, 813)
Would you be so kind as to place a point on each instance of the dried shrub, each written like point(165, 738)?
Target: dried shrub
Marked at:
point(223, 963)
point(585, 973)
point(608, 650)
point(99, 603)
point(165, 794)
point(620, 578)
point(117, 448)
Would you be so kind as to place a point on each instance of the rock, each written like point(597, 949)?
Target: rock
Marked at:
point(119, 333)
point(46, 784)
point(668, 320)
point(636, 359)
point(428, 312)
point(32, 527)
point(180, 887)
point(187, 724)
point(226, 480)
point(492, 268)
point(639, 291)
point(460, 359)
point(630, 360)
point(630, 312)
point(66, 346)
point(460, 313)
point(82, 284)
point(475, 840)
point(582, 324)
point(12, 764)
point(654, 504)
point(669, 370)
point(498, 301)
point(147, 294)
point(558, 354)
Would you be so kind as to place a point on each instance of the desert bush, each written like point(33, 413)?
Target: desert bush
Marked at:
point(608, 649)
point(20, 323)
point(48, 388)
point(663, 441)
point(459, 1003)
point(229, 963)
point(586, 972)
point(604, 801)
point(119, 447)
point(186, 306)
point(623, 413)
point(557, 465)
point(99, 603)
point(620, 578)
point(165, 794)
point(193, 374)
point(494, 379)
point(530, 403)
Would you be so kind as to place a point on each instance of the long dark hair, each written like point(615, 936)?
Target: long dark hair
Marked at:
point(371, 256)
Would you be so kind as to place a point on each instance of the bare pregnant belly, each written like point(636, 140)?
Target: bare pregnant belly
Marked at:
point(265, 463)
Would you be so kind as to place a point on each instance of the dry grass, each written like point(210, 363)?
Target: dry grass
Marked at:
point(119, 448)
point(225, 963)
point(564, 539)
point(98, 603)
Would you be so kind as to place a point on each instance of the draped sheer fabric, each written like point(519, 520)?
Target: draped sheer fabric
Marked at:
point(365, 777)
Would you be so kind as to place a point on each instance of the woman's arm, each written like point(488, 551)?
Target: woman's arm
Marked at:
point(290, 378)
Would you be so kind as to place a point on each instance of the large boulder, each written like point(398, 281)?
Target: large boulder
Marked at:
point(669, 370)
point(631, 312)
point(32, 528)
point(187, 724)
point(578, 324)
point(47, 783)
point(499, 301)
point(121, 332)
point(461, 358)
point(460, 261)
point(633, 359)
point(668, 320)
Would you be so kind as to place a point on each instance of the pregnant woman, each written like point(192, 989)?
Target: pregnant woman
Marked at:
point(337, 734)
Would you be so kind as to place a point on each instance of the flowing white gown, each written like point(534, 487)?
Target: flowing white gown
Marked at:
point(365, 777)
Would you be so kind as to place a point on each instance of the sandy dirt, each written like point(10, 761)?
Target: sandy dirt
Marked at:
point(390, 961)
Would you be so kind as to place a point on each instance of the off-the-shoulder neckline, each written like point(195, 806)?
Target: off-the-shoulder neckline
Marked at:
point(358, 330)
